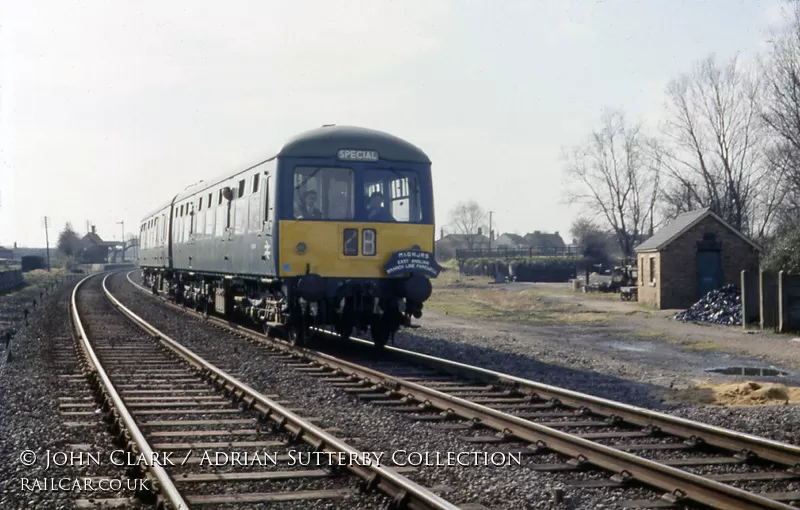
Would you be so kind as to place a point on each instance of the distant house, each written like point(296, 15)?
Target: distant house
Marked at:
point(695, 253)
point(93, 249)
point(544, 241)
point(6, 253)
point(446, 246)
point(510, 241)
point(20, 252)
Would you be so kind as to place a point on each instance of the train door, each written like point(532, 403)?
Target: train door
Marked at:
point(235, 215)
point(162, 248)
point(268, 199)
point(192, 224)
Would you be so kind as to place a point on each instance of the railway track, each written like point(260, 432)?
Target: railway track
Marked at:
point(184, 419)
point(691, 463)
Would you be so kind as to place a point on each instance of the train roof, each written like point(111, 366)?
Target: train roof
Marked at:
point(325, 142)
point(157, 210)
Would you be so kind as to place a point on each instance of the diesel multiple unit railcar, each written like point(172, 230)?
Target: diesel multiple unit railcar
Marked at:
point(335, 231)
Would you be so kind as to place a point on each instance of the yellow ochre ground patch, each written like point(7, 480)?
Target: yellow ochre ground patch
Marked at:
point(748, 393)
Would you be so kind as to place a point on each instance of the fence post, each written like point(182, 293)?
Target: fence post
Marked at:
point(766, 294)
point(781, 304)
point(744, 299)
point(750, 299)
point(761, 317)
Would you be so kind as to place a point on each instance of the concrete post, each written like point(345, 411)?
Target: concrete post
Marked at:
point(768, 300)
point(782, 309)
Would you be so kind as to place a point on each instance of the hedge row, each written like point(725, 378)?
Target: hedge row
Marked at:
point(534, 269)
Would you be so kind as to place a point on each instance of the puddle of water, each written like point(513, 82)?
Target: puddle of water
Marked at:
point(638, 347)
point(752, 371)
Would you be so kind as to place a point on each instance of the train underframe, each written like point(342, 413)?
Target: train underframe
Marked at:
point(295, 307)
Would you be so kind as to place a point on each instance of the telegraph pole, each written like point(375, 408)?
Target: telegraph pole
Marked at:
point(490, 231)
point(123, 239)
point(45, 220)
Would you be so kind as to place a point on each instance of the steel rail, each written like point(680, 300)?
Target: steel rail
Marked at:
point(401, 489)
point(676, 482)
point(681, 484)
point(165, 485)
point(767, 449)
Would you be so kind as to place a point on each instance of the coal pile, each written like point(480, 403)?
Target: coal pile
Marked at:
point(720, 306)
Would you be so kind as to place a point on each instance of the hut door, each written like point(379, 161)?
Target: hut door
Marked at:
point(709, 264)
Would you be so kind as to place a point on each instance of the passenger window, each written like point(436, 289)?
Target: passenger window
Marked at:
point(323, 193)
point(392, 195)
point(208, 227)
point(255, 183)
point(241, 189)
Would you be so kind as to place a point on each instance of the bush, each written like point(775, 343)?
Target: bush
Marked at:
point(71, 264)
point(532, 269)
point(785, 253)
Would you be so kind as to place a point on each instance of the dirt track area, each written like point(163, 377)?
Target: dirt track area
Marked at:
point(625, 339)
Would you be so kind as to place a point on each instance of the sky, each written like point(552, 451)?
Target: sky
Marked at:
point(108, 109)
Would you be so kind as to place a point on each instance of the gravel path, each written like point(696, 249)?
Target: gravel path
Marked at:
point(376, 429)
point(30, 388)
point(106, 326)
point(580, 359)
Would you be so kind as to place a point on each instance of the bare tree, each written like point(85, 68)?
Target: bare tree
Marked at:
point(593, 242)
point(782, 115)
point(618, 177)
point(717, 156)
point(469, 219)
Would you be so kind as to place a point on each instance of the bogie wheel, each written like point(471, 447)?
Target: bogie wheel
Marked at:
point(298, 335)
point(345, 331)
point(380, 335)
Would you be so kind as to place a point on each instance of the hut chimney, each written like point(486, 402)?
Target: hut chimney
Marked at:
point(94, 229)
point(480, 231)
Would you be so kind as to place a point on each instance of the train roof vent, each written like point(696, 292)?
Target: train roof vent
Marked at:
point(328, 125)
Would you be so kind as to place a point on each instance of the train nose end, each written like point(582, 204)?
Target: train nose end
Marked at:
point(311, 287)
point(417, 288)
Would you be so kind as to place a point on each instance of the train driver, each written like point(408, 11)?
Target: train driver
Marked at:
point(308, 209)
point(377, 212)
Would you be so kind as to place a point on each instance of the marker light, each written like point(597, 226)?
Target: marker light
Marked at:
point(368, 241)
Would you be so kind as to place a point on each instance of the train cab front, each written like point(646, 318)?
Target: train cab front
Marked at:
point(356, 241)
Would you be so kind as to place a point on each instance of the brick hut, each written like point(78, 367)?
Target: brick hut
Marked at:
point(697, 252)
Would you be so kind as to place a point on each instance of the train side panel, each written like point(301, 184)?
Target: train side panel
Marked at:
point(229, 236)
point(154, 235)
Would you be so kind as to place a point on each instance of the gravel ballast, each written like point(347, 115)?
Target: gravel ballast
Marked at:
point(106, 327)
point(30, 387)
point(580, 366)
point(514, 487)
